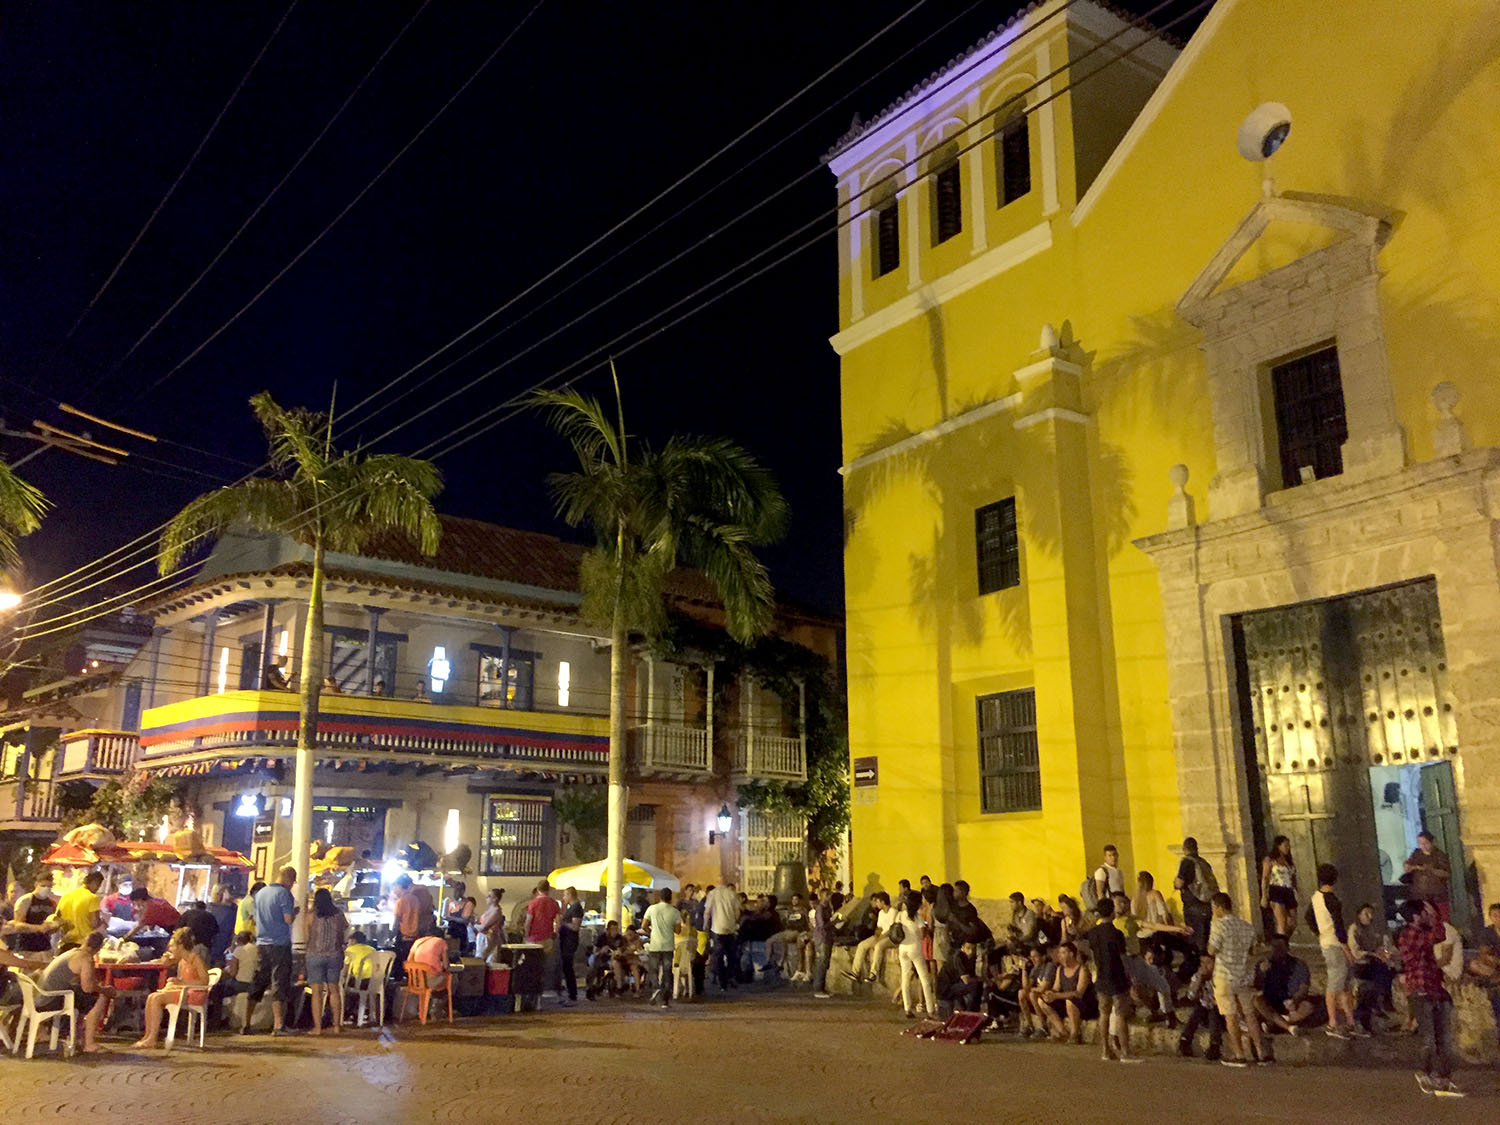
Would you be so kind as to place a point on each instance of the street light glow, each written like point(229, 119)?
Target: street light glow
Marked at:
point(9, 599)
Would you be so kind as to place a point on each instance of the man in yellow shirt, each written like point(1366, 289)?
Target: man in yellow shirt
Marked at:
point(78, 912)
point(357, 956)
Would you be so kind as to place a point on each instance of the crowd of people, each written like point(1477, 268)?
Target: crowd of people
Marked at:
point(1111, 954)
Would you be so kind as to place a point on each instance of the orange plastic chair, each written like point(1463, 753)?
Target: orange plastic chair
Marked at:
point(419, 985)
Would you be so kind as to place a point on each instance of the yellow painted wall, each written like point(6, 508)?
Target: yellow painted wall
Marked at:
point(1391, 107)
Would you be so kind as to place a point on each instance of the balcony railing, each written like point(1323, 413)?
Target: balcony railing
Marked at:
point(97, 753)
point(768, 757)
point(670, 748)
point(27, 802)
point(353, 726)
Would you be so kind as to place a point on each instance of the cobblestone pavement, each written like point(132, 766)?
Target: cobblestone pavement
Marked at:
point(781, 1057)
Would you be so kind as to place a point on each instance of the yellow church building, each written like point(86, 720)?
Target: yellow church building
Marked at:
point(1171, 404)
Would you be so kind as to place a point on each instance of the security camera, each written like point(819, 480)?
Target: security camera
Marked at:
point(1264, 131)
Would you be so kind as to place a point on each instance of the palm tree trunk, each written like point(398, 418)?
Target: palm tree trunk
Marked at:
point(311, 685)
point(617, 790)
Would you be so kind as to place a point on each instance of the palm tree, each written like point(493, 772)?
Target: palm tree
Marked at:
point(22, 506)
point(697, 501)
point(325, 500)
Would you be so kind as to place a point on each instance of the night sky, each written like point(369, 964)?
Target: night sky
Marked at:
point(590, 111)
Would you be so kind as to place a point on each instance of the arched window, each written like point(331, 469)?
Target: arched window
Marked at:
point(947, 195)
point(886, 242)
point(1012, 153)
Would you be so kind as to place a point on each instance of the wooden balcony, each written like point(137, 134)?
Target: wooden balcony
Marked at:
point(766, 757)
point(661, 749)
point(30, 806)
point(97, 753)
point(234, 723)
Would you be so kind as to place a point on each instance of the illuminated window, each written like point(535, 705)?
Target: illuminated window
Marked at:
point(564, 681)
point(223, 669)
point(517, 836)
point(438, 669)
point(506, 682)
point(282, 643)
point(450, 831)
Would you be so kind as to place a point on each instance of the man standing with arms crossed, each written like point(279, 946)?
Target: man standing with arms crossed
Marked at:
point(275, 910)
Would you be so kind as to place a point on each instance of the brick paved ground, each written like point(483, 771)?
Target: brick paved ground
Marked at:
point(764, 1057)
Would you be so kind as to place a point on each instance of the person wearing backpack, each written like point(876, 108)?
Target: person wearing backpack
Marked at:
point(1197, 884)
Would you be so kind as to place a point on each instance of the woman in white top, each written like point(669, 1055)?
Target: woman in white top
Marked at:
point(909, 951)
point(1278, 885)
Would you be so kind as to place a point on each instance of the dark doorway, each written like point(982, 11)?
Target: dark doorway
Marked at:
point(1348, 734)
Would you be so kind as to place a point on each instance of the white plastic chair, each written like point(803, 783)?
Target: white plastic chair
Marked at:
point(193, 1010)
point(371, 989)
point(32, 1020)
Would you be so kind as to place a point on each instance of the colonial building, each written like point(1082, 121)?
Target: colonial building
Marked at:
point(465, 692)
point(1171, 469)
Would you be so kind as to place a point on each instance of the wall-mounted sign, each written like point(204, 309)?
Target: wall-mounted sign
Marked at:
point(866, 772)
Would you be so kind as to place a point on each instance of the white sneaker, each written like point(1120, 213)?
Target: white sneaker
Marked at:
point(1444, 1088)
point(822, 996)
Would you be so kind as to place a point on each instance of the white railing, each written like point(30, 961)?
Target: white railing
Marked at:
point(769, 756)
point(98, 751)
point(663, 747)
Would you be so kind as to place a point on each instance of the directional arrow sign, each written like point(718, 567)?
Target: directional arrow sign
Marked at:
point(866, 772)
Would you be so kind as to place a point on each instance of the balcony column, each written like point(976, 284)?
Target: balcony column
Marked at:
point(158, 638)
point(802, 721)
point(210, 628)
point(505, 634)
point(267, 643)
point(747, 691)
point(708, 718)
point(372, 648)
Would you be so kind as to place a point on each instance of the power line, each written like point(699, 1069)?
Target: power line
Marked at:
point(235, 93)
point(317, 238)
point(259, 207)
point(850, 218)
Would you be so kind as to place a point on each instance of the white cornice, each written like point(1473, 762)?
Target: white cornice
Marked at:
point(1154, 105)
point(932, 433)
point(1028, 244)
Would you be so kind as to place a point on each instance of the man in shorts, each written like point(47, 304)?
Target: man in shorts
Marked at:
point(1326, 913)
point(275, 910)
point(1230, 940)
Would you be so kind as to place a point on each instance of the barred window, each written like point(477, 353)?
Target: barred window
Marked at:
point(997, 546)
point(1010, 777)
point(887, 236)
point(947, 201)
point(1311, 427)
point(517, 835)
point(1012, 156)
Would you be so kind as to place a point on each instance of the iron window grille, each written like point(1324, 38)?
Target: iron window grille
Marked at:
point(1013, 155)
point(1010, 774)
point(997, 546)
point(887, 237)
point(517, 836)
point(1311, 427)
point(947, 202)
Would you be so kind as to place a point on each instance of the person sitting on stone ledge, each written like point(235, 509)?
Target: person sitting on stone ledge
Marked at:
point(1162, 938)
point(1022, 927)
point(1037, 979)
point(1283, 982)
point(1071, 1000)
point(784, 948)
point(874, 949)
point(1148, 983)
point(1049, 923)
point(1003, 976)
point(958, 983)
point(1374, 965)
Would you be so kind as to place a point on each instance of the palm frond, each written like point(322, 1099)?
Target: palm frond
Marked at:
point(22, 506)
point(292, 435)
point(379, 493)
point(718, 478)
point(267, 505)
point(582, 420)
point(722, 552)
point(595, 495)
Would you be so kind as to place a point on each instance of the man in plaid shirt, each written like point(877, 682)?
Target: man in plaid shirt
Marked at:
point(1429, 995)
point(1230, 940)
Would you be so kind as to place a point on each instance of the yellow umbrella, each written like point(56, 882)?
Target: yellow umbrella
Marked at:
point(594, 876)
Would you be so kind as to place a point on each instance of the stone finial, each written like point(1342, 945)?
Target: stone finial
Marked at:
point(1049, 340)
point(1180, 511)
point(1448, 437)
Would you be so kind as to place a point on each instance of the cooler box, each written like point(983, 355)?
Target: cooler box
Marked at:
point(468, 978)
point(497, 981)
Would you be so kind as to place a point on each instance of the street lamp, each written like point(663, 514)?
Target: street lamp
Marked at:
point(9, 599)
point(724, 820)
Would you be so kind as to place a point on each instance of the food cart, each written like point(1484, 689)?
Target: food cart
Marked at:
point(178, 878)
